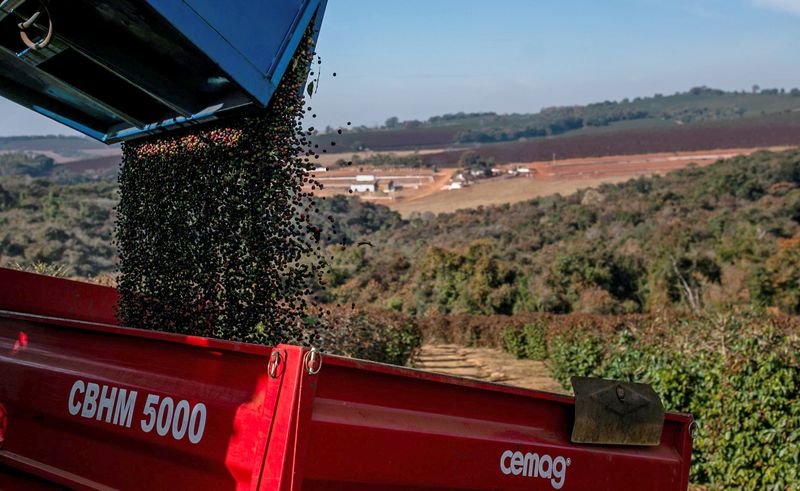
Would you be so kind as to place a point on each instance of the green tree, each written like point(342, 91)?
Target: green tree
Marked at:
point(473, 161)
point(777, 282)
point(392, 123)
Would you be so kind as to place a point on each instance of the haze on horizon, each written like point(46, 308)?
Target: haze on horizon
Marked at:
point(417, 58)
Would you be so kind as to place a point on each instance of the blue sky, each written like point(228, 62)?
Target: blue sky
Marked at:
point(418, 58)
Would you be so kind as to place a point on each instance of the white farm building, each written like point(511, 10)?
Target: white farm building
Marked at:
point(362, 188)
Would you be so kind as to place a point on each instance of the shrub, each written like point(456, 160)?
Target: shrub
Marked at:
point(514, 341)
point(737, 374)
point(535, 340)
point(577, 353)
point(750, 424)
point(57, 270)
point(530, 341)
point(377, 335)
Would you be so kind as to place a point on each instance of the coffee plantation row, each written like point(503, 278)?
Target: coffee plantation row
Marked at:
point(738, 374)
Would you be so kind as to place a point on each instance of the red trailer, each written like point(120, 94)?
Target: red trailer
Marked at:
point(87, 404)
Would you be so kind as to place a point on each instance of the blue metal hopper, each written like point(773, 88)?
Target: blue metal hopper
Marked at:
point(119, 70)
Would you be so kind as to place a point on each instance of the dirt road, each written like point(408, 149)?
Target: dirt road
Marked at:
point(548, 177)
point(495, 192)
point(487, 364)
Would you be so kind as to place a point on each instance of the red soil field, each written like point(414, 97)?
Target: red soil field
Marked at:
point(630, 165)
point(99, 163)
point(769, 130)
point(384, 140)
point(677, 139)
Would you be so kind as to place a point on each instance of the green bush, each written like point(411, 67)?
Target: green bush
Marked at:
point(750, 424)
point(738, 375)
point(578, 353)
point(529, 341)
point(384, 336)
point(535, 340)
point(400, 343)
point(514, 341)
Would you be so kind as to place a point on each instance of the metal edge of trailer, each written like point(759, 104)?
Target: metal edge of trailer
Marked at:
point(88, 306)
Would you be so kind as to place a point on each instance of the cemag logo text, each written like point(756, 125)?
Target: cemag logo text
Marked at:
point(535, 465)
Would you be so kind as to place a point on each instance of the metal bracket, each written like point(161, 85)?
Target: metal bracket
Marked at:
point(609, 412)
point(23, 26)
point(693, 428)
point(312, 360)
point(277, 363)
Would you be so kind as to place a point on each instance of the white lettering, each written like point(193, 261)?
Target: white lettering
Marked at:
point(559, 472)
point(123, 412)
point(197, 423)
point(106, 403)
point(181, 420)
point(150, 412)
point(545, 473)
point(115, 405)
point(531, 465)
point(503, 458)
point(75, 406)
point(165, 416)
point(90, 400)
point(516, 463)
point(534, 465)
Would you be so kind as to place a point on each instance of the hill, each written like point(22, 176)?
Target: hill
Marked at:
point(57, 147)
point(698, 238)
point(698, 105)
point(717, 236)
point(771, 130)
point(54, 215)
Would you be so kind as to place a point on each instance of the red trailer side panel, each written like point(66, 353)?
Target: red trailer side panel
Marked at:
point(383, 427)
point(56, 297)
point(92, 406)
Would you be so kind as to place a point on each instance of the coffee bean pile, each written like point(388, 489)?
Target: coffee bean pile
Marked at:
point(214, 230)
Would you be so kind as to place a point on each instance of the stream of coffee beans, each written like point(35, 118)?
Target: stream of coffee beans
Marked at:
point(214, 229)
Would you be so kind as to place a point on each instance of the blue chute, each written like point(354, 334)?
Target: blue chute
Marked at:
point(119, 70)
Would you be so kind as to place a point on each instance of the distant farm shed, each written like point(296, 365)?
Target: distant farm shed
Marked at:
point(362, 188)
